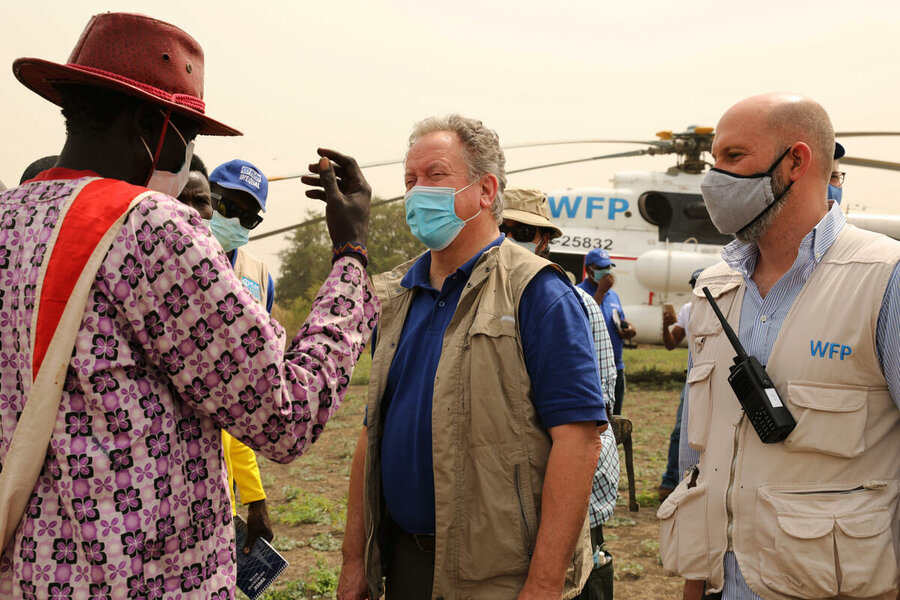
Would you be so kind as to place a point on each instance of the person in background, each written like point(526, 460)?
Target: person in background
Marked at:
point(473, 473)
point(196, 191)
point(240, 460)
point(836, 183)
point(675, 330)
point(146, 345)
point(37, 167)
point(238, 191)
point(526, 221)
point(598, 282)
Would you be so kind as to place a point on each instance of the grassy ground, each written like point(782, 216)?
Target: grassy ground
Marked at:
point(308, 498)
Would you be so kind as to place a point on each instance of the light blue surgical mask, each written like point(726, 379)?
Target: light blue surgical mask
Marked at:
point(600, 274)
point(834, 193)
point(530, 246)
point(230, 233)
point(431, 215)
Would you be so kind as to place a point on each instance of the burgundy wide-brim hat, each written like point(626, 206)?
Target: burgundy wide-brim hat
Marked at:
point(135, 55)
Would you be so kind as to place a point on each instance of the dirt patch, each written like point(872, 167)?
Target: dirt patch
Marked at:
point(314, 487)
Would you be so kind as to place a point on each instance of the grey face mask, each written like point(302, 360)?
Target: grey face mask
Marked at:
point(734, 201)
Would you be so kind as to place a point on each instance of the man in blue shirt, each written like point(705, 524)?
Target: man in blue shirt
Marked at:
point(598, 282)
point(473, 474)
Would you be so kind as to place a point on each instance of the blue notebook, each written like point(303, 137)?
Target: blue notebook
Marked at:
point(255, 571)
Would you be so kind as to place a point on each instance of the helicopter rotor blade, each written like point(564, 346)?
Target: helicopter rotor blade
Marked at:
point(381, 163)
point(398, 161)
point(871, 163)
point(395, 198)
point(570, 142)
point(839, 134)
point(580, 160)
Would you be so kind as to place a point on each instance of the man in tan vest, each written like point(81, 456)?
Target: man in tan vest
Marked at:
point(471, 479)
point(817, 302)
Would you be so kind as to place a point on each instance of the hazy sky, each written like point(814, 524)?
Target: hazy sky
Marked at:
point(355, 76)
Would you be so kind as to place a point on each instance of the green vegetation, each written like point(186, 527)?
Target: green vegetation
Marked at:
point(362, 368)
point(321, 580)
point(302, 507)
point(306, 262)
point(325, 542)
point(648, 548)
point(283, 543)
point(618, 521)
point(629, 570)
point(647, 498)
point(654, 367)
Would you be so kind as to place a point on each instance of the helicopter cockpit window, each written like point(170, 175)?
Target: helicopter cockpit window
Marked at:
point(680, 217)
point(655, 209)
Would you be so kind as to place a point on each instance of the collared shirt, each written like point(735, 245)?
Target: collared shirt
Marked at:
point(605, 485)
point(762, 318)
point(562, 367)
point(613, 313)
point(133, 495)
point(602, 345)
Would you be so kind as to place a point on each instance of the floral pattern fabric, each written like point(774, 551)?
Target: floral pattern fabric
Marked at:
point(132, 501)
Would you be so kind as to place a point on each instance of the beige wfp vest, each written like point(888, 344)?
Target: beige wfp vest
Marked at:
point(814, 516)
point(489, 449)
point(254, 275)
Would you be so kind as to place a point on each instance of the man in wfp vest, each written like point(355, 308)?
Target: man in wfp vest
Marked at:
point(128, 343)
point(471, 479)
point(817, 302)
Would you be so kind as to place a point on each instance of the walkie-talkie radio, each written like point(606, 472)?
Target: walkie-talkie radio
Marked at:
point(754, 389)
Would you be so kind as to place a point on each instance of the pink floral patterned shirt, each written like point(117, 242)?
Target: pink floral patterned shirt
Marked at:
point(132, 501)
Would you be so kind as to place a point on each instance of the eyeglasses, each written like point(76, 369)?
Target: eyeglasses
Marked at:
point(837, 178)
point(520, 233)
point(230, 209)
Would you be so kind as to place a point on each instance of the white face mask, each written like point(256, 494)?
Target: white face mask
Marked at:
point(170, 183)
point(167, 182)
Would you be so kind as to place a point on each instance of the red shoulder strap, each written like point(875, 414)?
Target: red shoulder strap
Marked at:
point(96, 208)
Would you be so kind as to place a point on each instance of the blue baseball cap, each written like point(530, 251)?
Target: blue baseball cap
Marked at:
point(695, 276)
point(242, 176)
point(838, 151)
point(598, 257)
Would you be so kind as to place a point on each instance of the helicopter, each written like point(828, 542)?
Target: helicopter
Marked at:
point(654, 224)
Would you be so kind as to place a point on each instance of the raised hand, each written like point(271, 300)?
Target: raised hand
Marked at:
point(339, 182)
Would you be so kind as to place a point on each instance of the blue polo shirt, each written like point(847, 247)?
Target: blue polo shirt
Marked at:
point(611, 303)
point(558, 356)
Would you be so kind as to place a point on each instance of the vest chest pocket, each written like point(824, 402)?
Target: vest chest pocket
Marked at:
point(830, 419)
point(699, 403)
point(821, 540)
point(683, 539)
point(494, 381)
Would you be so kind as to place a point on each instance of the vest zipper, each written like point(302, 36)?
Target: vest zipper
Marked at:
point(729, 510)
point(526, 531)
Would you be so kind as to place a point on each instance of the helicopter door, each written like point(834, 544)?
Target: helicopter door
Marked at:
point(680, 217)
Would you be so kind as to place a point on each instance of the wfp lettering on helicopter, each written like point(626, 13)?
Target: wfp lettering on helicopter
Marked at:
point(590, 205)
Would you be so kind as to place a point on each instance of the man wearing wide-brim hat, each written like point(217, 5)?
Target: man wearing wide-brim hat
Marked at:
point(127, 342)
point(526, 220)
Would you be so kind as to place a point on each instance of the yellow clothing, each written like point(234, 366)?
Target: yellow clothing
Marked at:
point(240, 462)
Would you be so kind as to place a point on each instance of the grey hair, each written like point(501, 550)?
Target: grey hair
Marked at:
point(481, 150)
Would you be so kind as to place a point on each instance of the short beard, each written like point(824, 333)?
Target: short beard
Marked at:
point(759, 226)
